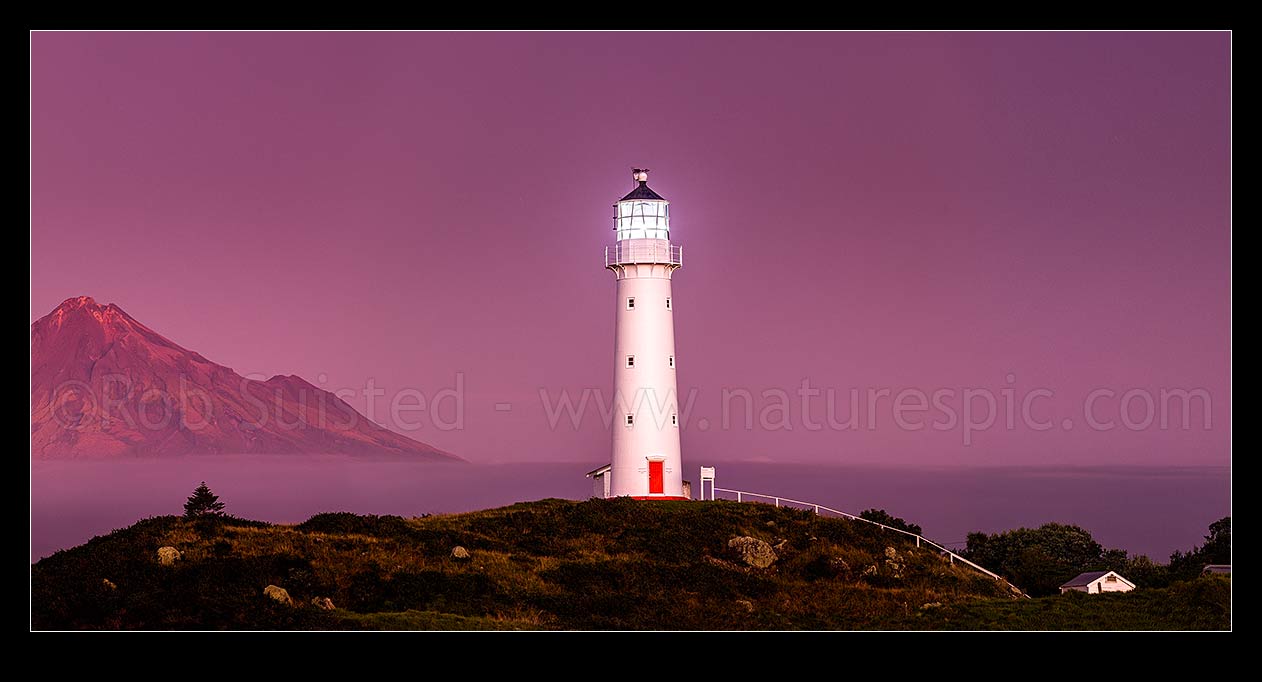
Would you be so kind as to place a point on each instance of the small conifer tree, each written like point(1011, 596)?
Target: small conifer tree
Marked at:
point(203, 503)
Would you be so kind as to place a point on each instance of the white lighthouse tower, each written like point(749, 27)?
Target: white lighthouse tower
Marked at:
point(646, 462)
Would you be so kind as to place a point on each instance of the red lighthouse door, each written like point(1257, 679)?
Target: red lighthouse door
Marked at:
point(655, 478)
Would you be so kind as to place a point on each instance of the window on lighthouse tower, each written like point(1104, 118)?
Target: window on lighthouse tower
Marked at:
point(630, 303)
point(630, 361)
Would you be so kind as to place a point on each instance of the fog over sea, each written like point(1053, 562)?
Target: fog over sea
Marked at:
point(1144, 510)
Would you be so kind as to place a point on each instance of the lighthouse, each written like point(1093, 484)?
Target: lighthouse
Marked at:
point(646, 462)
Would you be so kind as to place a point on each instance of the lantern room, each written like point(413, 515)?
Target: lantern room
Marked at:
point(642, 214)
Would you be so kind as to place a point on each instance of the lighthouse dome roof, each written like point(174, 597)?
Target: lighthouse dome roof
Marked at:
point(642, 191)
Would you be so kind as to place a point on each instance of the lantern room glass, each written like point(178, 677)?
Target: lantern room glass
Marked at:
point(642, 219)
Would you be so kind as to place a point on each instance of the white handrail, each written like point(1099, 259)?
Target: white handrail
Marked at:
point(953, 557)
point(656, 251)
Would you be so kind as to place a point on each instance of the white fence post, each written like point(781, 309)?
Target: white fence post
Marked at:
point(707, 474)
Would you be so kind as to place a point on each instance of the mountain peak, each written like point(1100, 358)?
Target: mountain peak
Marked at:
point(83, 302)
point(105, 385)
point(109, 318)
point(77, 302)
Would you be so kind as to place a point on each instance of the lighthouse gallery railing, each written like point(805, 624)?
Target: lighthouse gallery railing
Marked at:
point(644, 251)
point(743, 496)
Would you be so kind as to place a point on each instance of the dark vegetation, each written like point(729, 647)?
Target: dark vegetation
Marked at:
point(1216, 550)
point(1041, 559)
point(599, 564)
point(1200, 604)
point(885, 518)
point(203, 503)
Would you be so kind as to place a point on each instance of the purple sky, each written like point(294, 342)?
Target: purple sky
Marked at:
point(903, 211)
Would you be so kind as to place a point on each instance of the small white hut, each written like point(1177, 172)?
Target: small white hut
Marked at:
point(600, 481)
point(1095, 582)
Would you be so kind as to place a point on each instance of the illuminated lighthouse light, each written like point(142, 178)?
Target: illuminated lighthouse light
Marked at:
point(646, 459)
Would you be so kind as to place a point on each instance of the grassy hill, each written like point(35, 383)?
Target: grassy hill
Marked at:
point(558, 564)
